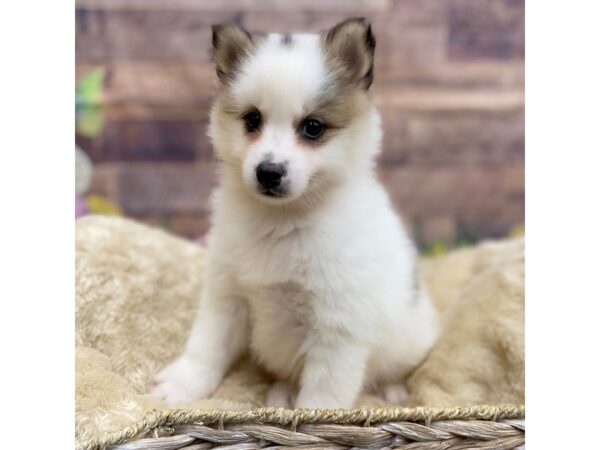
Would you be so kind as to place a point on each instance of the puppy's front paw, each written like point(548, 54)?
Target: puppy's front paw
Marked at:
point(281, 395)
point(185, 380)
point(395, 394)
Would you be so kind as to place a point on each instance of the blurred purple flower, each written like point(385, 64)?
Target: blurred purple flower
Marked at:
point(81, 208)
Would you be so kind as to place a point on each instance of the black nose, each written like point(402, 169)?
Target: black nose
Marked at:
point(270, 174)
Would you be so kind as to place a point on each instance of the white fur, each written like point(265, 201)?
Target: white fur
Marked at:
point(318, 284)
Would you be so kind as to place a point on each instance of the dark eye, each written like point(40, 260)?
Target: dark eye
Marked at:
point(252, 121)
point(312, 128)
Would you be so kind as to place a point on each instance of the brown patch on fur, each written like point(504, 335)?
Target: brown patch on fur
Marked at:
point(227, 103)
point(337, 108)
point(349, 49)
point(231, 45)
point(225, 109)
point(416, 284)
point(287, 40)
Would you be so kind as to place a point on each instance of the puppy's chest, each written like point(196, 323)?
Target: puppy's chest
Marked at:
point(269, 263)
point(281, 317)
point(289, 301)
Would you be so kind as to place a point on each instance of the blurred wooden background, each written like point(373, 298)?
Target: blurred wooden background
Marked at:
point(448, 82)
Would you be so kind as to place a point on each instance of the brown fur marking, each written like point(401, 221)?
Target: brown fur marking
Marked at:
point(336, 109)
point(231, 44)
point(349, 49)
point(287, 40)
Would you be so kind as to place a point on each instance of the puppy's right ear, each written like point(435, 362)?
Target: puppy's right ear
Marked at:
point(231, 44)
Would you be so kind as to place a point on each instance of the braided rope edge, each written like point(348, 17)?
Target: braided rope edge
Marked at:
point(155, 419)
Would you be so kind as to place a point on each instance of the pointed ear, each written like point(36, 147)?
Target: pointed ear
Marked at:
point(349, 47)
point(231, 44)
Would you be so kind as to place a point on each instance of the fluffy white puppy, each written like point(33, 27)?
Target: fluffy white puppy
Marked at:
point(308, 265)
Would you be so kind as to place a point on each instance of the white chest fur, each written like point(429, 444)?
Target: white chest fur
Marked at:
point(349, 270)
point(282, 315)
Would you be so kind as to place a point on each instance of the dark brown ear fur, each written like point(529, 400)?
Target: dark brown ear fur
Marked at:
point(231, 44)
point(349, 48)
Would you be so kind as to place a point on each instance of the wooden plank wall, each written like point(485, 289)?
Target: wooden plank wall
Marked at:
point(448, 82)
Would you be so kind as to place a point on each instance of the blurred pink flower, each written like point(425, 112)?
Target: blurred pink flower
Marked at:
point(202, 240)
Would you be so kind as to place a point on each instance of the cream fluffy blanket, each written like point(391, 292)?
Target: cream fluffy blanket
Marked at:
point(137, 290)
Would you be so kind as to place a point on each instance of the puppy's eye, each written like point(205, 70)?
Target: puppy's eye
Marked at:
point(252, 120)
point(312, 128)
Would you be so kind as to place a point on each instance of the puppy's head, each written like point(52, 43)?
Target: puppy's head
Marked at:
point(293, 116)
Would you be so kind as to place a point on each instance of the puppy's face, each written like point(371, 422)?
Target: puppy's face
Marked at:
point(293, 110)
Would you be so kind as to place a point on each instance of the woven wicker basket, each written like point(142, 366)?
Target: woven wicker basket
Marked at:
point(477, 427)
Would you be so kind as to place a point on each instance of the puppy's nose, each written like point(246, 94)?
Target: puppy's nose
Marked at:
point(270, 174)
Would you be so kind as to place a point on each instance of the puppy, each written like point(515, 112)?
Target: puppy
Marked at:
point(308, 266)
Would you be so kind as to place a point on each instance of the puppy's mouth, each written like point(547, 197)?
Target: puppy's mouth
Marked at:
point(276, 192)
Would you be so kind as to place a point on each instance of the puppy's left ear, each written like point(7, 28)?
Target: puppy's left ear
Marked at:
point(350, 47)
point(231, 44)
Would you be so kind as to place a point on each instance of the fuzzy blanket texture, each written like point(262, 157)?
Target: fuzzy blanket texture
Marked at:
point(137, 290)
